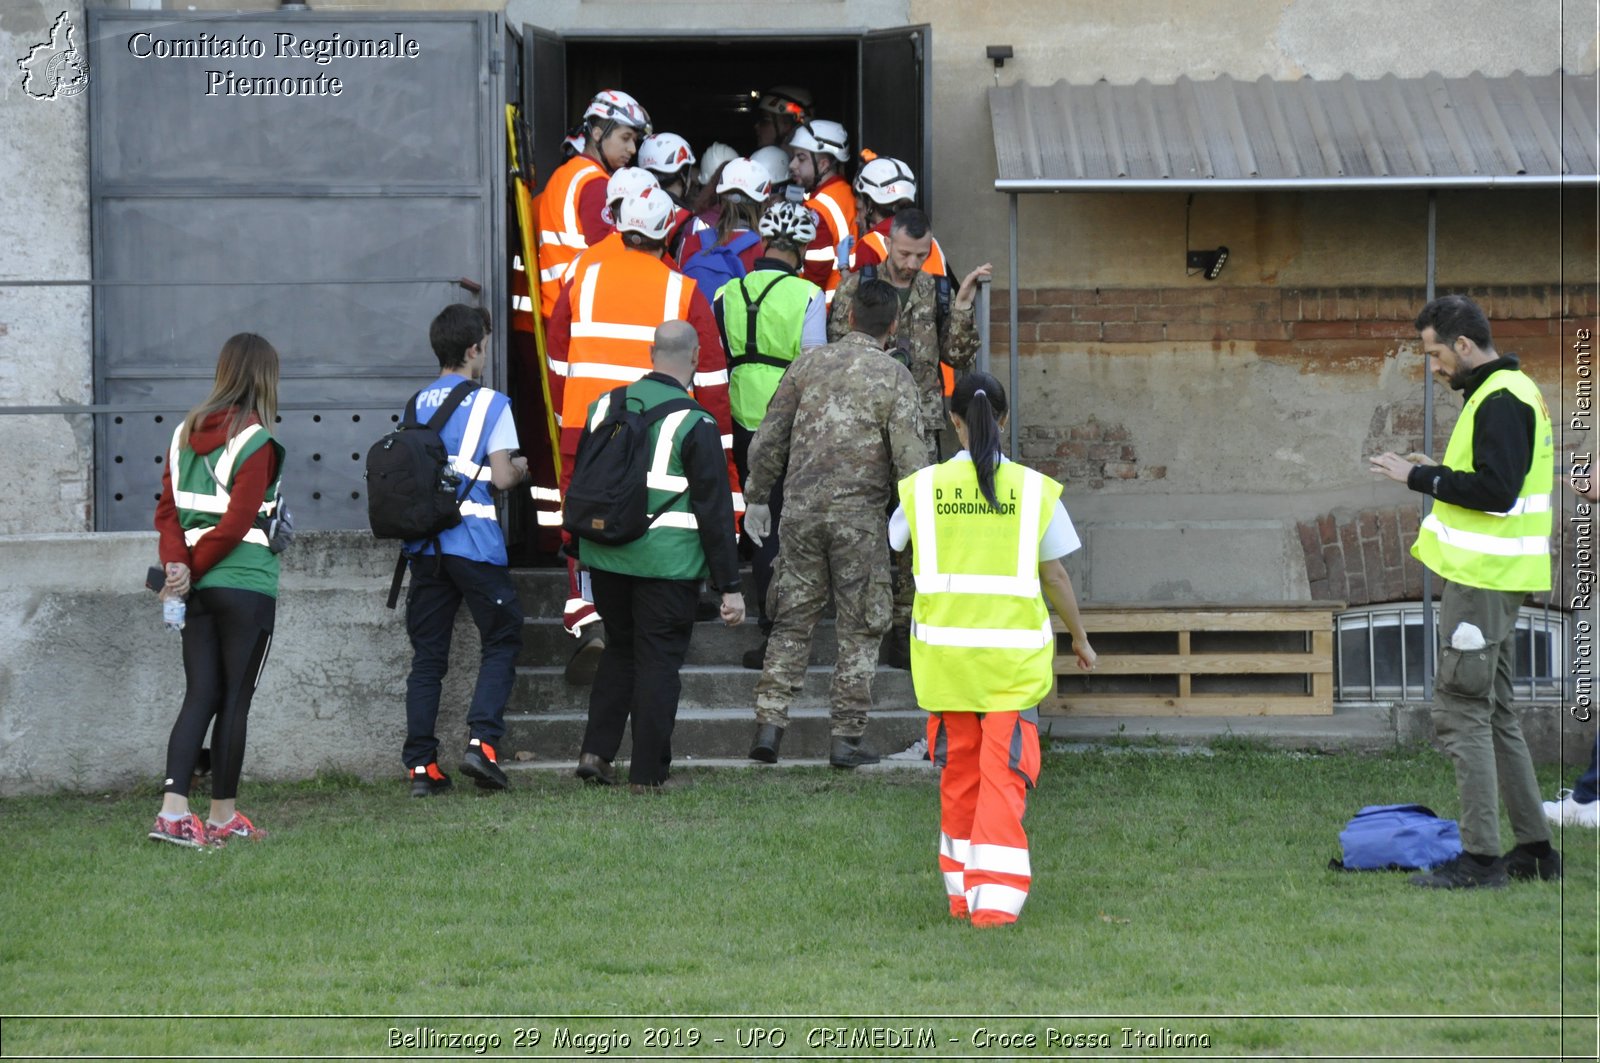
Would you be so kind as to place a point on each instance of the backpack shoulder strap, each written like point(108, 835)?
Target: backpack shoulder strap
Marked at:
point(666, 409)
point(440, 416)
point(744, 241)
point(941, 300)
point(751, 308)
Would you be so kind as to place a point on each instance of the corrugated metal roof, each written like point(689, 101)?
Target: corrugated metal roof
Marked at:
point(1429, 132)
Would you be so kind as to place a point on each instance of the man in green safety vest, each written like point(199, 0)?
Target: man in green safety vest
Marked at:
point(767, 318)
point(1488, 537)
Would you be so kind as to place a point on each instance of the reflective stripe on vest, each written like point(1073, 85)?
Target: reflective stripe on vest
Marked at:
point(219, 473)
point(561, 236)
point(671, 548)
point(618, 301)
point(840, 215)
point(1508, 551)
point(981, 638)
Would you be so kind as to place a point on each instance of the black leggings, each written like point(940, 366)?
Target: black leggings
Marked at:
point(225, 640)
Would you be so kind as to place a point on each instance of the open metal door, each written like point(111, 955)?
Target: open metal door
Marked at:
point(896, 100)
point(332, 223)
point(544, 98)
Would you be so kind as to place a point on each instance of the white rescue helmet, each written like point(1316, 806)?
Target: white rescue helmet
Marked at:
point(665, 153)
point(717, 154)
point(788, 221)
point(822, 137)
point(743, 175)
point(649, 214)
point(886, 181)
point(789, 100)
point(775, 160)
point(628, 181)
point(614, 107)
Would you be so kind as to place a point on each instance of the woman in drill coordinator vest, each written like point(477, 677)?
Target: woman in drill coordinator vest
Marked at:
point(988, 536)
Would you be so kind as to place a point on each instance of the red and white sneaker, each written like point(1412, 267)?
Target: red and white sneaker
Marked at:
point(237, 827)
point(186, 830)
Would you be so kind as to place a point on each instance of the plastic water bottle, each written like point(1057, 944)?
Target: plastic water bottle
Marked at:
point(173, 612)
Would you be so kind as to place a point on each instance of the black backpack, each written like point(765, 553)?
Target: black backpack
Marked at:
point(608, 499)
point(412, 492)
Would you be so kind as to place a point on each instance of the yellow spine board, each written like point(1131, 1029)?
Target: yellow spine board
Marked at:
point(530, 264)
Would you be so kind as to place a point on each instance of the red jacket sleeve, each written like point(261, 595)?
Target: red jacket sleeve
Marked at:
point(866, 255)
point(249, 491)
point(591, 203)
point(174, 551)
point(817, 265)
point(558, 340)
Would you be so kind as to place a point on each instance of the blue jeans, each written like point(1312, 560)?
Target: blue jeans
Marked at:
point(436, 594)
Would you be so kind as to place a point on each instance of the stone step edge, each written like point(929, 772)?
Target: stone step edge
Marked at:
point(727, 764)
point(733, 713)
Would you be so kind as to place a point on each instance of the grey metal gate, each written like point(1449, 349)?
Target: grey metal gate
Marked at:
point(333, 223)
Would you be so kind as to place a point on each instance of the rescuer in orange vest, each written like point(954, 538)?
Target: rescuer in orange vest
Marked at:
point(600, 334)
point(884, 187)
point(817, 153)
point(570, 205)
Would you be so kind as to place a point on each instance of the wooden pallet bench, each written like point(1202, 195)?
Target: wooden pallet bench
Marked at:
point(1200, 659)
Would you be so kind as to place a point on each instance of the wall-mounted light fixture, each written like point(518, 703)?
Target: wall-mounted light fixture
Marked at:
point(998, 54)
point(1209, 263)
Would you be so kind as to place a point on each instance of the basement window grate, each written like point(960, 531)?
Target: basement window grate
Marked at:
point(1378, 654)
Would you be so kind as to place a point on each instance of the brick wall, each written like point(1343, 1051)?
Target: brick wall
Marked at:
point(1363, 557)
point(1086, 454)
point(1274, 321)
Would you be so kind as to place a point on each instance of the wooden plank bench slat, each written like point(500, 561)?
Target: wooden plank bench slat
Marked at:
point(1187, 623)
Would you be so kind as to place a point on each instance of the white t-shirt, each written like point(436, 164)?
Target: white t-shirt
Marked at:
point(1060, 537)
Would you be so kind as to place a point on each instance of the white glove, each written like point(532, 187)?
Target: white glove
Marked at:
point(757, 522)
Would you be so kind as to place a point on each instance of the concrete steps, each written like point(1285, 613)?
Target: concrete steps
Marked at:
point(546, 643)
point(716, 720)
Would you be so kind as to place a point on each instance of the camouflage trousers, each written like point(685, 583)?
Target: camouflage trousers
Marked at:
point(905, 587)
point(848, 556)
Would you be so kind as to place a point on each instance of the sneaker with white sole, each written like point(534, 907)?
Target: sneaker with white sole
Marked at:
point(1565, 812)
point(237, 827)
point(187, 830)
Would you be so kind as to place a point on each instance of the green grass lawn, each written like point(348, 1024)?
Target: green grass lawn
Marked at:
point(1188, 893)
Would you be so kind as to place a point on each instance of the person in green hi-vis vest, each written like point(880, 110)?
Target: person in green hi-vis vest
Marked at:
point(1488, 537)
point(219, 492)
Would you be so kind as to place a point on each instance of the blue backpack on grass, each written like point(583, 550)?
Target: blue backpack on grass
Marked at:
point(1397, 838)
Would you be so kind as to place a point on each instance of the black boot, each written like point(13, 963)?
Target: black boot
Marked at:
point(896, 652)
point(851, 753)
point(756, 659)
point(769, 736)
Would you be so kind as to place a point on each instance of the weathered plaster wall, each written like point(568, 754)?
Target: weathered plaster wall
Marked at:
point(44, 235)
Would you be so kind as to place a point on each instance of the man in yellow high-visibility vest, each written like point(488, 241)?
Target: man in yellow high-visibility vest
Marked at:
point(1488, 537)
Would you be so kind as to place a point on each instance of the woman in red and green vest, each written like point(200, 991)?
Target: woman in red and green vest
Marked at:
point(219, 488)
point(987, 537)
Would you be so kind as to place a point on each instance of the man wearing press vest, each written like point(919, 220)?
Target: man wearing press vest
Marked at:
point(1488, 537)
point(465, 563)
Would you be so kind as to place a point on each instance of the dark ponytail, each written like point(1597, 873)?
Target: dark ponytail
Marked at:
point(980, 401)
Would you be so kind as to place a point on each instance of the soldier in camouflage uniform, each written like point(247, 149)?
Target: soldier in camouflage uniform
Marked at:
point(923, 341)
point(843, 428)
